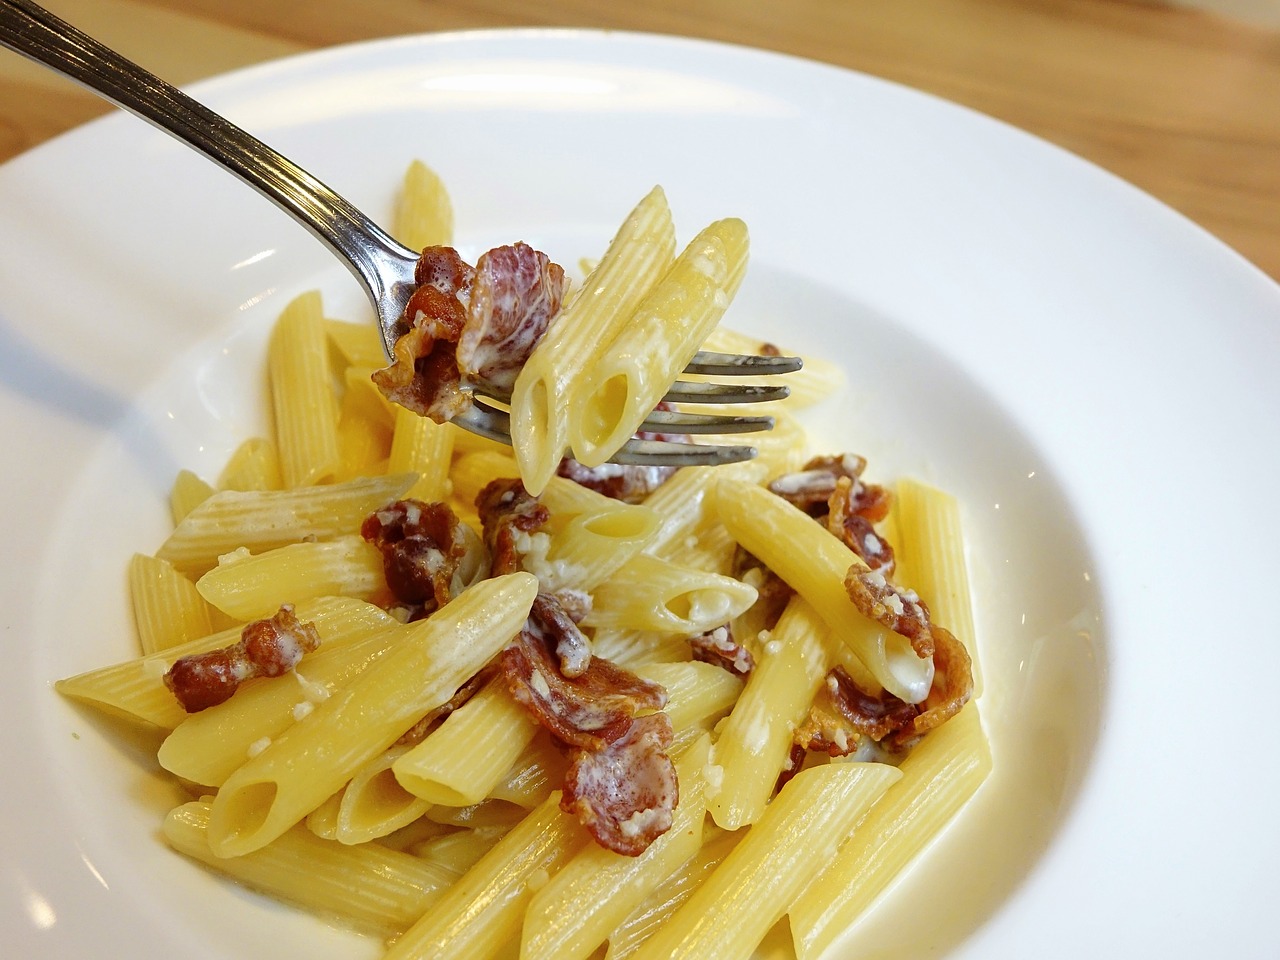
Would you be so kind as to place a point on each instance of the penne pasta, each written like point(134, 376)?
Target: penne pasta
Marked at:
point(652, 594)
point(637, 256)
point(247, 586)
point(646, 356)
point(188, 492)
point(369, 886)
point(754, 745)
point(482, 912)
point(255, 465)
point(135, 688)
point(595, 891)
point(168, 610)
point(814, 563)
point(309, 761)
point(733, 909)
point(264, 520)
point(939, 777)
point(931, 542)
point(306, 415)
point(423, 210)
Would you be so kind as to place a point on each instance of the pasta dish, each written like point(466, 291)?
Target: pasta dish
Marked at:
point(487, 701)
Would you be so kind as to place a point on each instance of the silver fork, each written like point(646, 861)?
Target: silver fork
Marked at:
point(383, 266)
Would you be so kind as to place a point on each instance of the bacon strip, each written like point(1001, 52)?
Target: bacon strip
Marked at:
point(892, 606)
point(586, 711)
point(625, 792)
point(266, 648)
point(424, 375)
point(506, 510)
point(516, 293)
point(831, 488)
point(428, 555)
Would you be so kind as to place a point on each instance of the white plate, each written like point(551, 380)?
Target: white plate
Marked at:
point(1094, 377)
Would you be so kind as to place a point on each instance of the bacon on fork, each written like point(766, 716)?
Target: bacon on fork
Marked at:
point(470, 328)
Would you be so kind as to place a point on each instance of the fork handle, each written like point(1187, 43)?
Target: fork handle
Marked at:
point(34, 32)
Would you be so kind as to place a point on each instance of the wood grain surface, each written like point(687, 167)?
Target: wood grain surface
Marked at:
point(1184, 104)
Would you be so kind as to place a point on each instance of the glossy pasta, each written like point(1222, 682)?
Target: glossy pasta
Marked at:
point(393, 779)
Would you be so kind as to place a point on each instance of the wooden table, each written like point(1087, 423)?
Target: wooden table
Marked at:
point(1184, 104)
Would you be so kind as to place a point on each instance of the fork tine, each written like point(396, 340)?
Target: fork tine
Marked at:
point(662, 453)
point(740, 365)
point(671, 421)
point(692, 391)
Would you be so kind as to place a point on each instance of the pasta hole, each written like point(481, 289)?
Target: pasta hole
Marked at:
point(606, 406)
point(619, 525)
point(247, 810)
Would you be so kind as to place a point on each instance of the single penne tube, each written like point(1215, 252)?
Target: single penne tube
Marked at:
point(931, 545)
point(733, 909)
point(754, 745)
point(135, 688)
point(939, 777)
point(482, 911)
point(187, 493)
point(647, 356)
point(374, 888)
point(266, 519)
point(358, 344)
point(313, 758)
point(255, 465)
point(373, 804)
point(637, 256)
point(818, 379)
point(363, 443)
point(422, 446)
point(652, 594)
point(247, 586)
point(167, 608)
point(306, 412)
point(207, 747)
point(814, 563)
point(586, 549)
point(595, 891)
point(423, 214)
point(463, 759)
point(654, 911)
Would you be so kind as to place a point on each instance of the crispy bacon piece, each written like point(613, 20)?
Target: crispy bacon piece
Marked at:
point(625, 792)
point(429, 556)
point(516, 293)
point(811, 487)
point(586, 711)
point(506, 510)
point(551, 623)
point(895, 607)
point(718, 647)
point(842, 713)
point(424, 375)
point(469, 328)
point(628, 482)
point(951, 690)
point(266, 648)
point(846, 523)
